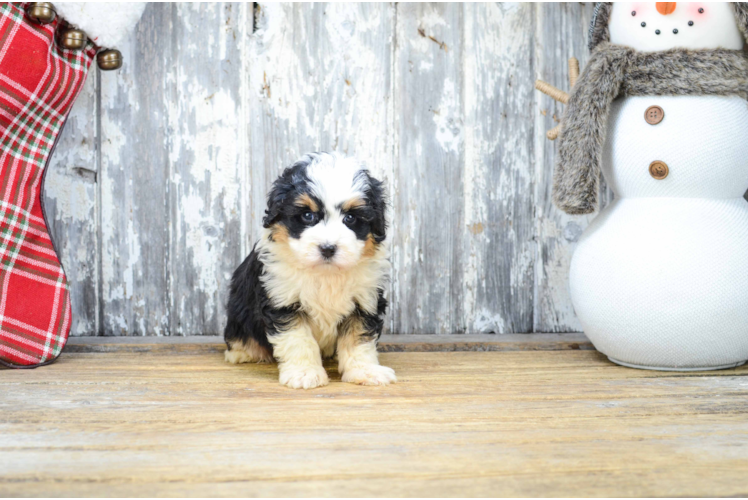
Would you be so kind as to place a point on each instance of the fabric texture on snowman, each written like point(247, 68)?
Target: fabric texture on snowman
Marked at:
point(616, 70)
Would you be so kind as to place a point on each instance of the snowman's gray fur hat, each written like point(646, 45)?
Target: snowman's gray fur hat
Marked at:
point(600, 17)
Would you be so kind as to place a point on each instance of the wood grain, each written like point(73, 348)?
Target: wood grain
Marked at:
point(207, 164)
point(427, 208)
point(159, 185)
point(564, 423)
point(498, 234)
point(135, 182)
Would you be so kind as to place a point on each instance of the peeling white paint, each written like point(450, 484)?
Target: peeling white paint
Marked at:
point(274, 77)
point(202, 249)
point(446, 118)
point(474, 173)
point(115, 141)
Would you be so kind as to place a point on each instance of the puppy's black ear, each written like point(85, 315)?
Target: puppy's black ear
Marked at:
point(377, 198)
point(276, 197)
point(284, 187)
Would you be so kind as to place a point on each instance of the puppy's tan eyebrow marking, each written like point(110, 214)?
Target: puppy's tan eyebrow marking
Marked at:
point(353, 203)
point(306, 201)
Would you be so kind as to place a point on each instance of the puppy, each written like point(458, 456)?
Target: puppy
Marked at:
point(313, 284)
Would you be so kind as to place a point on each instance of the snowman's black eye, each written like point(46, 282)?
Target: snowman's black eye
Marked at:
point(644, 25)
point(633, 12)
point(701, 10)
point(675, 32)
point(690, 23)
point(657, 32)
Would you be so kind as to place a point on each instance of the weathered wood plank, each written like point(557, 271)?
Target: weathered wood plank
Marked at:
point(428, 212)
point(135, 185)
point(498, 235)
point(319, 80)
point(70, 196)
point(560, 33)
point(206, 160)
point(537, 424)
point(203, 344)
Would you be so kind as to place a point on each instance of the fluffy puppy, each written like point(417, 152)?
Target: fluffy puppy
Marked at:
point(313, 284)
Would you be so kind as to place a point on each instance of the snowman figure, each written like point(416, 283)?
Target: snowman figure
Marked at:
point(659, 280)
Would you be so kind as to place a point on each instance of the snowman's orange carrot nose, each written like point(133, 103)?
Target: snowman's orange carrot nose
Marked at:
point(666, 8)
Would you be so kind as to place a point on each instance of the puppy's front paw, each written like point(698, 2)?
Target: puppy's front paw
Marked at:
point(303, 377)
point(370, 375)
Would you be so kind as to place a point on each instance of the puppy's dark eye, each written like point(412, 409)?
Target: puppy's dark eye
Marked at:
point(309, 217)
point(349, 219)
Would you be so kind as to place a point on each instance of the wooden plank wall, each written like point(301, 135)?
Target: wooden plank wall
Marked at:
point(158, 185)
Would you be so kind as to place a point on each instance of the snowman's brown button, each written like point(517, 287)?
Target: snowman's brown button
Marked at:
point(654, 115)
point(658, 169)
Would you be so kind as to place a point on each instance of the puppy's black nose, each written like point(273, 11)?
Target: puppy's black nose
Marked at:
point(327, 250)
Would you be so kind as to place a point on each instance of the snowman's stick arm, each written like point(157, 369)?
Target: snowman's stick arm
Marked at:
point(558, 94)
point(552, 134)
point(551, 91)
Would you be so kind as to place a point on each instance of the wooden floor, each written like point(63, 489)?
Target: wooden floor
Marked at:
point(544, 423)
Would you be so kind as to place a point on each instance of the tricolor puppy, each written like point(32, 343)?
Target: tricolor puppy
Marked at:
point(313, 285)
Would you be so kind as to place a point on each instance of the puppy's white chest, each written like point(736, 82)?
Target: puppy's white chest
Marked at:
point(327, 300)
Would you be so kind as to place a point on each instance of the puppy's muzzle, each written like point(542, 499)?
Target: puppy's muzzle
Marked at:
point(328, 251)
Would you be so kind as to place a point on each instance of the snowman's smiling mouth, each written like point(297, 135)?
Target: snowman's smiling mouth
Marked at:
point(659, 32)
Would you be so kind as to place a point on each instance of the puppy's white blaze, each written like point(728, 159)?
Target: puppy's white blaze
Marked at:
point(334, 179)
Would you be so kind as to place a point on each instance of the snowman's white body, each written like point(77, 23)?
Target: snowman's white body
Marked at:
point(660, 278)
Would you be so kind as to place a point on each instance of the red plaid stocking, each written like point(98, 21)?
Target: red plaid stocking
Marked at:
point(39, 82)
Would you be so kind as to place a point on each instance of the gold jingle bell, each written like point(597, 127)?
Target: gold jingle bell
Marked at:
point(41, 12)
point(109, 59)
point(72, 39)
